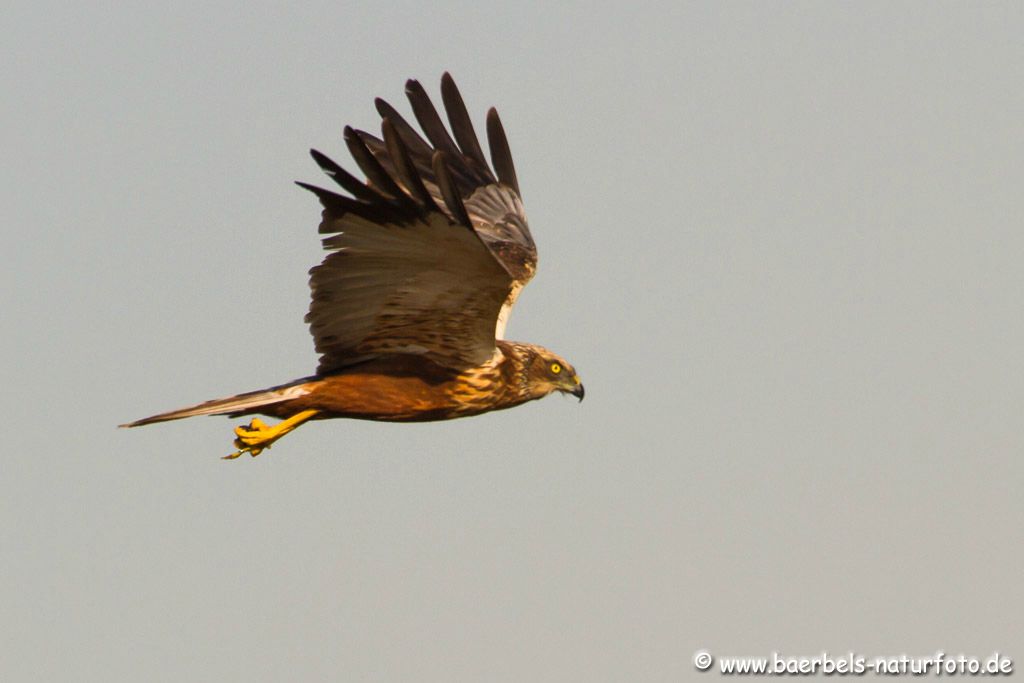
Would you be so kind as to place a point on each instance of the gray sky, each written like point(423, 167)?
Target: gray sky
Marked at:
point(782, 243)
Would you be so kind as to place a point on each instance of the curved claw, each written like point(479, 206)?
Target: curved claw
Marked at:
point(257, 436)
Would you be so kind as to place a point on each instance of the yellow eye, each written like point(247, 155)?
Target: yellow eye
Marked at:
point(556, 368)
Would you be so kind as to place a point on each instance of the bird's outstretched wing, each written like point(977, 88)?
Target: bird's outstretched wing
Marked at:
point(429, 253)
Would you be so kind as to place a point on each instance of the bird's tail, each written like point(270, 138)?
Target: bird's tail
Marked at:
point(232, 405)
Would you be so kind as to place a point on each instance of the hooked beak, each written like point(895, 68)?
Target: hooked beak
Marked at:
point(577, 389)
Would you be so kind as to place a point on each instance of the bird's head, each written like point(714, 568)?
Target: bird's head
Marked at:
point(545, 372)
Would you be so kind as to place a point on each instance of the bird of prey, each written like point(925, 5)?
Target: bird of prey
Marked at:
point(427, 256)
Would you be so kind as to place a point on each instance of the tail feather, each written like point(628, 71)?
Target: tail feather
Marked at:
point(231, 405)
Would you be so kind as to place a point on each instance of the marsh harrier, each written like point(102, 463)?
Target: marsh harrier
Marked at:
point(426, 258)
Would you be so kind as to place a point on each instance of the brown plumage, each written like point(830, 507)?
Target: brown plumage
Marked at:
point(427, 257)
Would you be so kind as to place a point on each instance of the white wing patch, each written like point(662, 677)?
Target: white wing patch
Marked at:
point(506, 310)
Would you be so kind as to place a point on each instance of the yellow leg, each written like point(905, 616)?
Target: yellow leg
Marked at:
point(257, 435)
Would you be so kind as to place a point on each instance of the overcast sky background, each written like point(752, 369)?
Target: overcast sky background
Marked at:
point(782, 243)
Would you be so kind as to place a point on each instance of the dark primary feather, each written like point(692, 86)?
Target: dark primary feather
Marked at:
point(460, 168)
point(368, 164)
point(417, 146)
point(501, 155)
point(405, 167)
point(461, 124)
point(344, 179)
point(337, 204)
point(451, 196)
point(428, 119)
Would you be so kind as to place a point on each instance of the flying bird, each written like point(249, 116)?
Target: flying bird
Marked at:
point(427, 256)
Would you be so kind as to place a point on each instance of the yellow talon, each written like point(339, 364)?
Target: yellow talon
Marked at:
point(254, 437)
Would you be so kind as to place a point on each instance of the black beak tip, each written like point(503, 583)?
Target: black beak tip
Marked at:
point(578, 392)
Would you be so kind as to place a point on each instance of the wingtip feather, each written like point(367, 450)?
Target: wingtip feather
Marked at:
point(501, 155)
